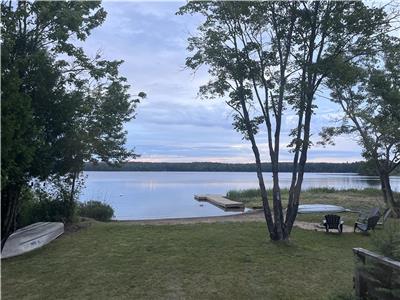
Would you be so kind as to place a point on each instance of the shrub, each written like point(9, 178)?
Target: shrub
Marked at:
point(97, 210)
point(382, 281)
point(387, 241)
point(38, 206)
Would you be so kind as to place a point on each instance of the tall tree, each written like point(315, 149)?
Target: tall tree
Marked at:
point(95, 130)
point(368, 91)
point(268, 58)
point(54, 97)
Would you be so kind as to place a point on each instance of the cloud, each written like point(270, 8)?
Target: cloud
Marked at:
point(173, 124)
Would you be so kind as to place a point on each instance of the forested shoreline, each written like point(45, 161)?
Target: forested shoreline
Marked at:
point(354, 167)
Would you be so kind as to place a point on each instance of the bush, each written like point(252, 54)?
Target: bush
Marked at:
point(387, 241)
point(383, 282)
point(37, 206)
point(97, 210)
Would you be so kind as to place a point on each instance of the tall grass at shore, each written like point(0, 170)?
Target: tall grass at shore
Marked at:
point(353, 199)
point(364, 197)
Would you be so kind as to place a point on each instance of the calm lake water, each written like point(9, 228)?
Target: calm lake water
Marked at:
point(152, 195)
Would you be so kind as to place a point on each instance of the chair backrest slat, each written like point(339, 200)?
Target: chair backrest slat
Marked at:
point(374, 212)
point(372, 221)
point(333, 221)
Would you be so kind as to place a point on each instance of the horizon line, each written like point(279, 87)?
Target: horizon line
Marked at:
point(238, 163)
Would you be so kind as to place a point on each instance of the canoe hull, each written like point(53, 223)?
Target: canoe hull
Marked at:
point(320, 208)
point(31, 237)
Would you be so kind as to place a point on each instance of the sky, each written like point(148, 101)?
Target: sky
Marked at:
point(173, 124)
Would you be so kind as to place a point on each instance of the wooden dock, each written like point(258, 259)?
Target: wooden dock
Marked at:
point(220, 201)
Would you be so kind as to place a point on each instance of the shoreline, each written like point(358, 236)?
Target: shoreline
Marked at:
point(252, 216)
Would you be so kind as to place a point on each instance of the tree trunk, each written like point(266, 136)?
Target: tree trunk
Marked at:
point(309, 85)
point(280, 227)
point(291, 212)
point(294, 197)
point(70, 206)
point(264, 196)
point(388, 193)
point(383, 188)
point(10, 195)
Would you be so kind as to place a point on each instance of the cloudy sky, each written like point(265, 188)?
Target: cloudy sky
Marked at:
point(173, 124)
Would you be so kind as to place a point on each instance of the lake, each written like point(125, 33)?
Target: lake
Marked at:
point(153, 195)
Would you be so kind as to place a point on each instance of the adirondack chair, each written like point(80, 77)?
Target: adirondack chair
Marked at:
point(333, 222)
point(369, 224)
point(386, 215)
point(363, 216)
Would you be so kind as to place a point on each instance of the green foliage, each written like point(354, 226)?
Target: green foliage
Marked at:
point(34, 107)
point(59, 106)
point(97, 210)
point(48, 201)
point(368, 168)
point(250, 193)
point(231, 43)
point(267, 58)
point(387, 241)
point(40, 206)
point(238, 194)
point(368, 91)
point(326, 190)
point(383, 282)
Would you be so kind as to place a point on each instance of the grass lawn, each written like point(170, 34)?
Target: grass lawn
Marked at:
point(201, 261)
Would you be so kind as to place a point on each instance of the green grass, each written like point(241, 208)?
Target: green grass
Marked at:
point(202, 261)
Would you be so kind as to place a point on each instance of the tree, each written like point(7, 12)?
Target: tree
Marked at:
point(368, 91)
point(268, 58)
point(55, 99)
point(95, 131)
point(367, 168)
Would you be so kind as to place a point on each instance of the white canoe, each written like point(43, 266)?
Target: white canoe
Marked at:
point(31, 237)
point(319, 208)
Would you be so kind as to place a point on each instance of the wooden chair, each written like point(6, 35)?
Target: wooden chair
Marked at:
point(364, 215)
point(333, 222)
point(369, 224)
point(386, 215)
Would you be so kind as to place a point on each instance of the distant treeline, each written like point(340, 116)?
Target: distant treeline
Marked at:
point(355, 167)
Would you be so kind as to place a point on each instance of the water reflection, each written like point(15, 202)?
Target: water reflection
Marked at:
point(150, 195)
